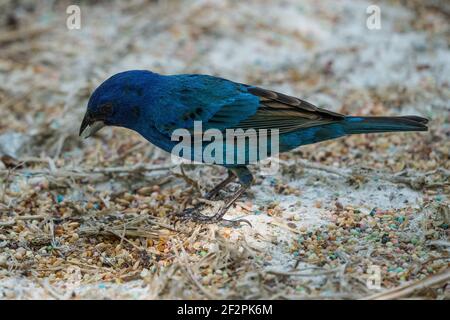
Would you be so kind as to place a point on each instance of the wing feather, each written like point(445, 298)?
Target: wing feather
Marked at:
point(286, 113)
point(223, 104)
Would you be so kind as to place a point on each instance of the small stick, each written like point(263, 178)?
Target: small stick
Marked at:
point(20, 218)
point(297, 274)
point(87, 173)
point(410, 288)
point(185, 265)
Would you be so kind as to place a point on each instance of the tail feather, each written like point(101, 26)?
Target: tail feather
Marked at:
point(354, 125)
point(416, 118)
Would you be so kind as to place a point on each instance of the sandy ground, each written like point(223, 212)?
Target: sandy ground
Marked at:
point(89, 219)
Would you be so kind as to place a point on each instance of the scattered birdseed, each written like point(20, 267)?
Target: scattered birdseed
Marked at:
point(93, 218)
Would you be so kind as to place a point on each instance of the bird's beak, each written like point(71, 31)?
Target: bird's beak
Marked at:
point(89, 126)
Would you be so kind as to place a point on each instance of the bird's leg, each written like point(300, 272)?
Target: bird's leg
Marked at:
point(191, 212)
point(215, 191)
point(246, 179)
point(219, 215)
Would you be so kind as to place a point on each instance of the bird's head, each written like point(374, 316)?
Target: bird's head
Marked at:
point(119, 101)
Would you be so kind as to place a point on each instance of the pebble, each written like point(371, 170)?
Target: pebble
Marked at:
point(292, 225)
point(20, 253)
point(59, 198)
point(380, 233)
point(3, 260)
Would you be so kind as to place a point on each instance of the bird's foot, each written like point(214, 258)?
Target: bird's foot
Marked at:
point(188, 213)
point(193, 214)
point(235, 223)
point(203, 219)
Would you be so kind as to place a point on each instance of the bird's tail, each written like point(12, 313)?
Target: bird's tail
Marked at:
point(353, 125)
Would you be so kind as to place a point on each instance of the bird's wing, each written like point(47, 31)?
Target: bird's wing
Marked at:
point(218, 103)
point(222, 104)
point(283, 112)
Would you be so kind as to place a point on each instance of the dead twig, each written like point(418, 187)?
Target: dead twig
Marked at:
point(409, 289)
point(87, 173)
point(21, 218)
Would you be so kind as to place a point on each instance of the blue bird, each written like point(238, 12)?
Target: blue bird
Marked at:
point(157, 105)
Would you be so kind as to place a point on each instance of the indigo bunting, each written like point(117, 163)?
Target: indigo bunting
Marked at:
point(157, 105)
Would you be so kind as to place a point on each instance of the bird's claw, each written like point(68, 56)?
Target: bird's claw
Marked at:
point(193, 214)
point(235, 223)
point(188, 213)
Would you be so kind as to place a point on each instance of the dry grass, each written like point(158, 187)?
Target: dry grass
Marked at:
point(92, 219)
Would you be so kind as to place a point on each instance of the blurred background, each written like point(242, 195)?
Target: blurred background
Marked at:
point(323, 51)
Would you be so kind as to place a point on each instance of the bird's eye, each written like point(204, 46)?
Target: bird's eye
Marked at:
point(106, 109)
